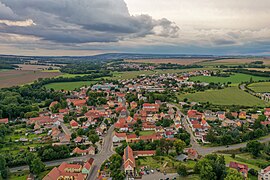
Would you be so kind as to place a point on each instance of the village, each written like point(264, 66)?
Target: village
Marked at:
point(142, 110)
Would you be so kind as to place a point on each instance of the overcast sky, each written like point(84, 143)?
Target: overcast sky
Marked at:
point(85, 27)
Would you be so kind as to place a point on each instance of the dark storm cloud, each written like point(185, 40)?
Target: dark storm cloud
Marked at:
point(81, 21)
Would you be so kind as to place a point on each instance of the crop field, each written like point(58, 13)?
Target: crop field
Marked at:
point(236, 78)
point(17, 77)
point(69, 85)
point(260, 87)
point(30, 67)
point(231, 62)
point(228, 96)
point(165, 61)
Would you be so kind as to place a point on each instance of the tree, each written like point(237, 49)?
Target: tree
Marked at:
point(205, 169)
point(179, 146)
point(3, 168)
point(233, 174)
point(37, 166)
point(254, 147)
point(182, 170)
point(94, 138)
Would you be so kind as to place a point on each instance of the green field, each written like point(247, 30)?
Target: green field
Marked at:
point(228, 96)
point(144, 133)
point(247, 159)
point(260, 87)
point(236, 78)
point(69, 85)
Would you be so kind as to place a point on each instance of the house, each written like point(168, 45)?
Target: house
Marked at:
point(144, 153)
point(131, 138)
point(90, 151)
point(228, 122)
point(129, 162)
point(234, 114)
point(74, 124)
point(192, 154)
point(42, 120)
point(87, 166)
point(66, 171)
point(221, 115)
point(264, 174)
point(150, 107)
point(53, 104)
point(4, 121)
point(148, 127)
point(242, 115)
point(254, 116)
point(118, 137)
point(194, 115)
point(78, 140)
point(133, 105)
point(242, 168)
point(267, 112)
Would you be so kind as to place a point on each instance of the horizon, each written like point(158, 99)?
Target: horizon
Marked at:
point(69, 28)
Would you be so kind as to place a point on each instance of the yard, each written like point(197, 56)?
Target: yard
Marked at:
point(144, 133)
point(164, 163)
point(228, 96)
point(69, 85)
point(234, 79)
point(260, 87)
point(245, 158)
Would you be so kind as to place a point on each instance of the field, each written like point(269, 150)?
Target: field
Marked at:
point(69, 85)
point(18, 77)
point(228, 96)
point(236, 78)
point(30, 67)
point(260, 87)
point(231, 62)
point(165, 61)
point(134, 74)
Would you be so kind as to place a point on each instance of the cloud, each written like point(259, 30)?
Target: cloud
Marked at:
point(28, 22)
point(84, 21)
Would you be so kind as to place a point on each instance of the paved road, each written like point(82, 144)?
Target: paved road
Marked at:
point(65, 129)
point(208, 150)
point(99, 158)
point(54, 163)
point(105, 153)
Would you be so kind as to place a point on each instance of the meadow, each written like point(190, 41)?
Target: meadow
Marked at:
point(235, 78)
point(69, 85)
point(260, 87)
point(227, 96)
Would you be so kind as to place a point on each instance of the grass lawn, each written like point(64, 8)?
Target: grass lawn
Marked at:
point(228, 96)
point(260, 87)
point(236, 78)
point(143, 133)
point(69, 85)
point(159, 162)
point(245, 158)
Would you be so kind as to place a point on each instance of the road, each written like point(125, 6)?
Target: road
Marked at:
point(208, 150)
point(105, 153)
point(65, 129)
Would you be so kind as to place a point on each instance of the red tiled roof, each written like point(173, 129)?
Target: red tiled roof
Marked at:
point(120, 134)
point(4, 121)
point(73, 123)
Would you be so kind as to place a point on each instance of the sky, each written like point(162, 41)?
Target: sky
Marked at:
point(87, 27)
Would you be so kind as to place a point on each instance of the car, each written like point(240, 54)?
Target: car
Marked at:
point(147, 172)
point(158, 170)
point(227, 146)
point(152, 171)
point(164, 172)
point(167, 179)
